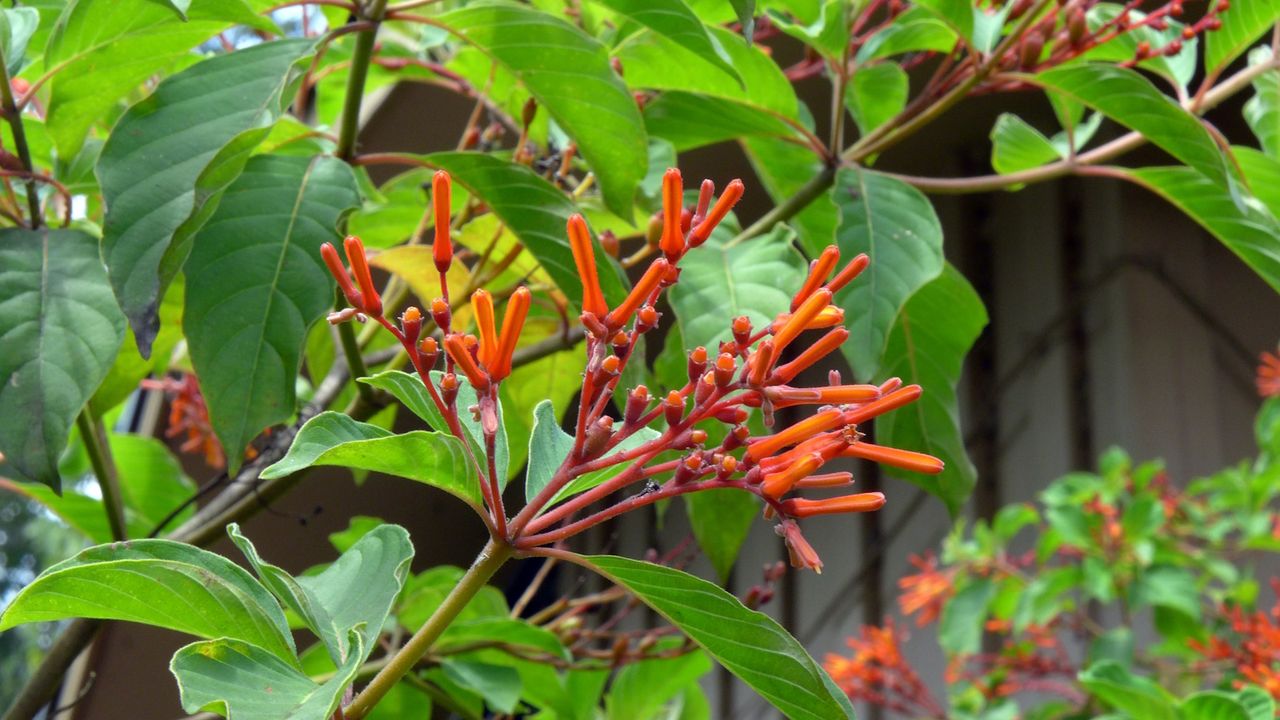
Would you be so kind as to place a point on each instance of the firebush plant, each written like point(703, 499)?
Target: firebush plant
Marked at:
point(189, 216)
point(1133, 596)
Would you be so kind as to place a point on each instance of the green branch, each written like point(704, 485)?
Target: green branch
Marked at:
point(104, 469)
point(14, 116)
point(356, 77)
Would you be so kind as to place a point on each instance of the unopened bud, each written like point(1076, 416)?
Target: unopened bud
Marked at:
point(637, 402)
point(704, 388)
point(597, 436)
point(441, 314)
point(620, 342)
point(449, 388)
point(411, 324)
point(673, 408)
point(609, 241)
point(428, 351)
point(697, 363)
point(647, 318)
point(725, 369)
point(529, 111)
point(611, 365)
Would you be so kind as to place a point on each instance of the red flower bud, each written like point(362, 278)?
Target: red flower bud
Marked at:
point(584, 258)
point(697, 363)
point(441, 313)
point(850, 271)
point(512, 324)
point(639, 295)
point(672, 242)
point(411, 324)
point(860, 502)
point(360, 268)
point(905, 459)
point(330, 255)
point(673, 408)
point(456, 346)
point(732, 194)
point(486, 325)
point(441, 196)
point(637, 402)
point(819, 271)
point(822, 422)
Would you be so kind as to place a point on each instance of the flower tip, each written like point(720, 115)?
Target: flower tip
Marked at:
point(584, 258)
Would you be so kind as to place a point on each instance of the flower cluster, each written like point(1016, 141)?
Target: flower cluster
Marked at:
point(189, 417)
point(1253, 651)
point(876, 672)
point(1268, 379)
point(704, 423)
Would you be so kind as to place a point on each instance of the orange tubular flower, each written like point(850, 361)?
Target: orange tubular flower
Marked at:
point(777, 484)
point(360, 268)
point(442, 247)
point(761, 361)
point(732, 194)
point(512, 324)
point(1269, 375)
point(672, 242)
point(825, 480)
point(456, 346)
point(905, 459)
point(639, 295)
point(822, 422)
point(819, 271)
point(802, 553)
point(801, 318)
point(786, 396)
point(339, 273)
point(811, 355)
point(859, 502)
point(828, 445)
point(892, 401)
point(584, 257)
point(482, 301)
point(850, 271)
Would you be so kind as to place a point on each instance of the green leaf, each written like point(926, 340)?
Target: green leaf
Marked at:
point(675, 21)
point(876, 94)
point(1242, 24)
point(691, 121)
point(1126, 97)
point(1128, 693)
point(130, 367)
point(745, 10)
point(534, 210)
point(243, 682)
point(332, 438)
point(641, 689)
point(1250, 232)
point(80, 512)
point(829, 31)
point(161, 583)
point(721, 520)
point(895, 225)
point(61, 330)
point(510, 632)
point(1177, 69)
point(169, 158)
point(1213, 705)
point(964, 616)
point(16, 28)
point(915, 30)
point(497, 684)
point(568, 72)
point(355, 591)
point(1167, 586)
point(410, 391)
point(957, 14)
point(151, 480)
point(1262, 111)
point(749, 644)
point(651, 61)
point(104, 50)
point(1016, 146)
point(557, 378)
point(256, 283)
point(548, 448)
point(927, 346)
point(719, 282)
point(1257, 702)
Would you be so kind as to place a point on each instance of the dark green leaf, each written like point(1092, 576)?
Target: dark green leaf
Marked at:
point(674, 20)
point(332, 438)
point(913, 31)
point(720, 520)
point(568, 72)
point(535, 211)
point(876, 94)
point(895, 225)
point(749, 644)
point(151, 479)
point(161, 583)
point(61, 330)
point(256, 283)
point(1248, 231)
point(1128, 693)
point(719, 282)
point(746, 11)
point(1128, 98)
point(1242, 24)
point(104, 50)
point(964, 617)
point(18, 25)
point(927, 346)
point(170, 157)
point(244, 682)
